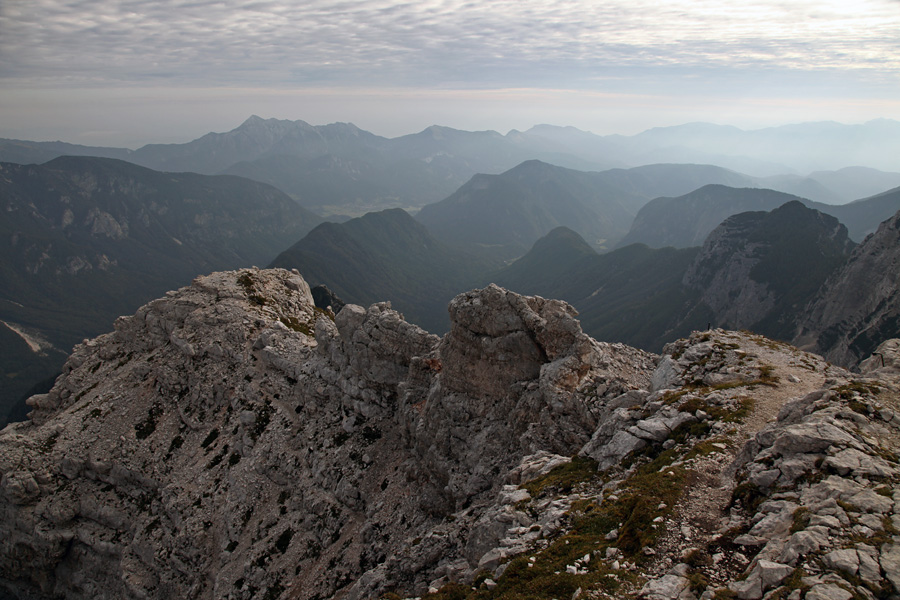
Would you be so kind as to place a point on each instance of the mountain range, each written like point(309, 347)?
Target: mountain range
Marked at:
point(757, 270)
point(88, 239)
point(686, 220)
point(234, 438)
point(341, 169)
point(73, 266)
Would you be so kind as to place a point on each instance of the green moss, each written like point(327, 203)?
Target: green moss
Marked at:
point(563, 478)
point(450, 591)
point(801, 519)
point(296, 324)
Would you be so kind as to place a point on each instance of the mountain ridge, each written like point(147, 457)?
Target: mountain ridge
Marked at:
point(229, 439)
point(441, 158)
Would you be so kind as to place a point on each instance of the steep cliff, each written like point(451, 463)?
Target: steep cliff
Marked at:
point(757, 270)
point(859, 306)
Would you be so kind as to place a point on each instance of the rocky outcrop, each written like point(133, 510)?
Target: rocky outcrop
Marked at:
point(756, 270)
point(230, 440)
point(326, 299)
point(859, 306)
point(821, 481)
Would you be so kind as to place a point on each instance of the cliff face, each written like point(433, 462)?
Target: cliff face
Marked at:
point(758, 270)
point(859, 305)
point(232, 441)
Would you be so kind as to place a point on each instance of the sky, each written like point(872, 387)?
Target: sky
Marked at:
point(129, 72)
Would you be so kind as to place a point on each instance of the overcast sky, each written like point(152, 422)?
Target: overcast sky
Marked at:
point(127, 72)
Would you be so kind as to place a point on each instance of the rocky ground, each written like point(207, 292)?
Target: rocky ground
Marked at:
point(232, 441)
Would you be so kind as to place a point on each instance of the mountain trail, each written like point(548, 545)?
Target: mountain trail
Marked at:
point(704, 512)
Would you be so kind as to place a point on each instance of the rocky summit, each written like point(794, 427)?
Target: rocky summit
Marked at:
point(231, 440)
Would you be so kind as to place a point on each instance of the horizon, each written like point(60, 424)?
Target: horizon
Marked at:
point(441, 125)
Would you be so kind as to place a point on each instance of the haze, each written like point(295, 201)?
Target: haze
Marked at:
point(125, 73)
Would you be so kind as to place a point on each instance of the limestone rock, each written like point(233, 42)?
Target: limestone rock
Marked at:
point(857, 308)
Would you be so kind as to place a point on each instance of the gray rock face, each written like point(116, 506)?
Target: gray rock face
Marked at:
point(742, 269)
point(514, 375)
point(859, 305)
point(212, 446)
point(232, 441)
point(885, 359)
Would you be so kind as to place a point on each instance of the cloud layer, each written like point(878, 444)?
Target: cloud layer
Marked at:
point(126, 72)
point(436, 42)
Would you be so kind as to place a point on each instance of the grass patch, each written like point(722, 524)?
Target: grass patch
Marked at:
point(705, 448)
point(801, 519)
point(451, 591)
point(855, 388)
point(563, 478)
point(631, 512)
point(725, 414)
point(295, 324)
point(749, 495)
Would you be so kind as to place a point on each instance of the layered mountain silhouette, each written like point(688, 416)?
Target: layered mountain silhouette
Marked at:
point(91, 237)
point(386, 256)
point(509, 212)
point(88, 239)
point(756, 270)
point(342, 169)
point(686, 220)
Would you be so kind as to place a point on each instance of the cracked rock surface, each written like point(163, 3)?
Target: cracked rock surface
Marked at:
point(230, 440)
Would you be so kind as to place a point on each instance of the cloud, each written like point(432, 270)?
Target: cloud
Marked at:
point(433, 42)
